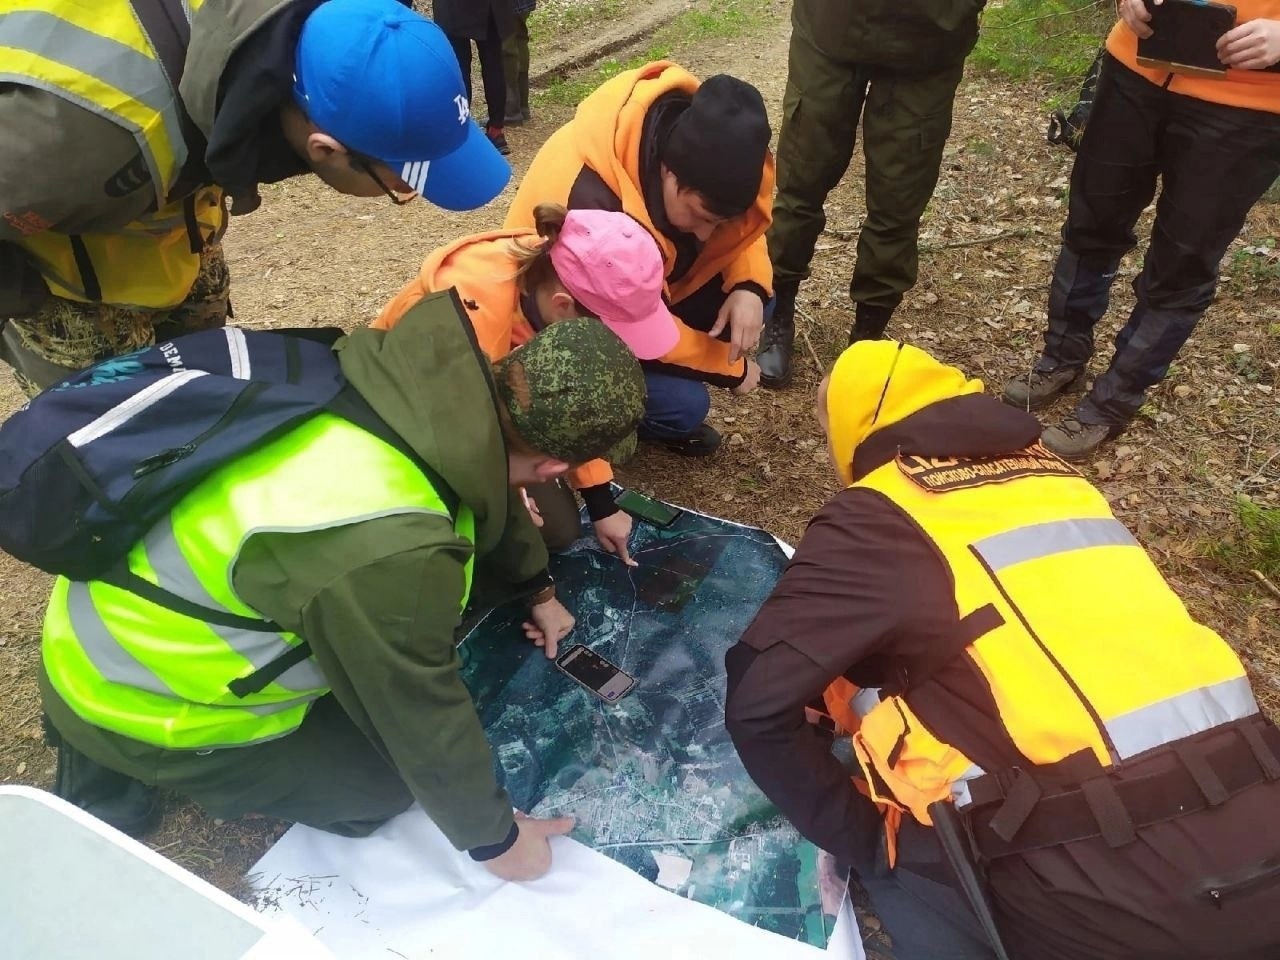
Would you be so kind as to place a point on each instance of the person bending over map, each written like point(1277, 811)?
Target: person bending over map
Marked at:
point(597, 263)
point(367, 556)
point(1023, 689)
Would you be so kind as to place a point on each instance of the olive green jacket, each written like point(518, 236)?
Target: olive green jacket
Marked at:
point(379, 600)
point(917, 36)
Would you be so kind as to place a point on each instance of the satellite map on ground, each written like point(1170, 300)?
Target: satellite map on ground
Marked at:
point(652, 779)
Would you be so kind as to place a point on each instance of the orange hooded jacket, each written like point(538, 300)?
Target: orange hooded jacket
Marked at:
point(484, 273)
point(1252, 89)
point(604, 137)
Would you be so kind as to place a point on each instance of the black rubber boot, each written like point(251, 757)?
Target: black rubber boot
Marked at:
point(116, 799)
point(869, 322)
point(774, 355)
point(703, 442)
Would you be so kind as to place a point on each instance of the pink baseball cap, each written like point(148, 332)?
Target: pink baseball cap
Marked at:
point(613, 267)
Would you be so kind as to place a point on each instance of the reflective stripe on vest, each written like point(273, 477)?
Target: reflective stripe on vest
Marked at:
point(1181, 716)
point(174, 574)
point(158, 676)
point(1145, 727)
point(1095, 652)
point(98, 57)
point(1045, 539)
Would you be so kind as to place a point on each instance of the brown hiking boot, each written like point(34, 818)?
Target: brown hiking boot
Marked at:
point(1037, 388)
point(1073, 440)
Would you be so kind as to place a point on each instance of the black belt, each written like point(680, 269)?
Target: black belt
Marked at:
point(1212, 768)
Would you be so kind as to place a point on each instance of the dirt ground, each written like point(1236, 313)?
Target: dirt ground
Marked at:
point(1209, 434)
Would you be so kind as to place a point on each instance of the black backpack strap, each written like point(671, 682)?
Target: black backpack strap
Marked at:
point(167, 28)
point(121, 576)
point(266, 674)
point(353, 407)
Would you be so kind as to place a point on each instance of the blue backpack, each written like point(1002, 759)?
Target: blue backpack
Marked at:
point(89, 465)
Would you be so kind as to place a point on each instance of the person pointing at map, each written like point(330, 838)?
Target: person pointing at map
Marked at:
point(1052, 759)
point(366, 554)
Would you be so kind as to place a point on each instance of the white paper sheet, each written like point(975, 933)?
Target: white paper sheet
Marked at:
point(404, 891)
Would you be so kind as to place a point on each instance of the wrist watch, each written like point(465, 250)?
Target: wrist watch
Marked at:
point(542, 596)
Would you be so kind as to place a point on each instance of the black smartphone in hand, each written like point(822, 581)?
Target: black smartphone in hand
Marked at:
point(1184, 37)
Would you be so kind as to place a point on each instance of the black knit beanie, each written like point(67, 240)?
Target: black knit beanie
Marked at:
point(719, 144)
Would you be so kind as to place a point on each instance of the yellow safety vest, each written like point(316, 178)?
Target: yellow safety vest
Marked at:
point(1082, 643)
point(149, 673)
point(99, 57)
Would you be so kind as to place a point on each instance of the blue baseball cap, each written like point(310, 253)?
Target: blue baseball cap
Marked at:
point(383, 81)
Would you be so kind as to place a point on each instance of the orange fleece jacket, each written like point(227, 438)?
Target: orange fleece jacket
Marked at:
point(605, 135)
point(1252, 89)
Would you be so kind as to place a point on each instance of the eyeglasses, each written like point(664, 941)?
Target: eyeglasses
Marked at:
point(366, 166)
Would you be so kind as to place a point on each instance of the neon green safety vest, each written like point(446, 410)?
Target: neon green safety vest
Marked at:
point(149, 673)
point(99, 56)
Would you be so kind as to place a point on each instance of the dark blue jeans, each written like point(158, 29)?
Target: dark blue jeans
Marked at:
point(1213, 163)
point(674, 408)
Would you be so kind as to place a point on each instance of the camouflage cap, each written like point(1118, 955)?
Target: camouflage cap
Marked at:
point(572, 392)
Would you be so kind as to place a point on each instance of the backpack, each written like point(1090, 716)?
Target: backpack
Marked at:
point(1066, 129)
point(89, 465)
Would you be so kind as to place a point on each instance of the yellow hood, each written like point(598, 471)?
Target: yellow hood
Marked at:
point(877, 383)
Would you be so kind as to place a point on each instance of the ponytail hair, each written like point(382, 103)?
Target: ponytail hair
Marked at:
point(534, 269)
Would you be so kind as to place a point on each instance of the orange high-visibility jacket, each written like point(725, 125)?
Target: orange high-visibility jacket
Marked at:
point(1253, 89)
point(483, 270)
point(604, 138)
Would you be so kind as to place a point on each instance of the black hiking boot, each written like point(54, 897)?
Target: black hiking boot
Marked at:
point(703, 442)
point(869, 322)
point(774, 355)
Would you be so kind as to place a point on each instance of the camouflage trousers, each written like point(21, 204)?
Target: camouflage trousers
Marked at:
point(63, 336)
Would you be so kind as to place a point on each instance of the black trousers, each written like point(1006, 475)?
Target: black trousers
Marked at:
point(1212, 163)
point(325, 774)
point(492, 73)
point(924, 912)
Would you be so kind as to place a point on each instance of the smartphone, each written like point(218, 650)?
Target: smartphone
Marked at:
point(1184, 37)
point(594, 672)
point(651, 511)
